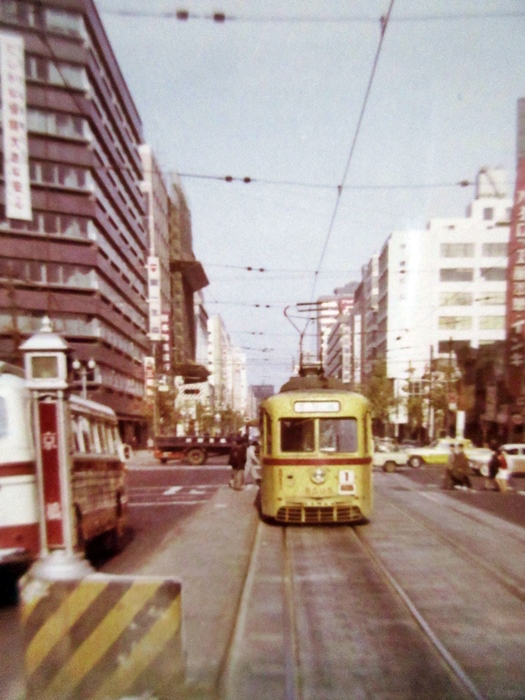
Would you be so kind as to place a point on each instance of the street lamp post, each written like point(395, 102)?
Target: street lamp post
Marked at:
point(45, 359)
point(83, 369)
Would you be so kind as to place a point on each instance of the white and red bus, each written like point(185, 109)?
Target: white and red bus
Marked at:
point(98, 472)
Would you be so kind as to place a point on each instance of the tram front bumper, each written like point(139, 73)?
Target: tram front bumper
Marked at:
point(311, 514)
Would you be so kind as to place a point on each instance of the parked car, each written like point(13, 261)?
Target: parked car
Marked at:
point(439, 451)
point(515, 457)
point(406, 444)
point(390, 460)
point(384, 444)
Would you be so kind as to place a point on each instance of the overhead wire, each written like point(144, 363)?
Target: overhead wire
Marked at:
point(384, 20)
point(184, 15)
point(325, 186)
point(343, 186)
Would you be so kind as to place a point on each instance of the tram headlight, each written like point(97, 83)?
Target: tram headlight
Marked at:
point(318, 475)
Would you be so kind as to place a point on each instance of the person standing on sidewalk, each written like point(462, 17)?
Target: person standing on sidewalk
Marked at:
point(493, 467)
point(253, 465)
point(237, 463)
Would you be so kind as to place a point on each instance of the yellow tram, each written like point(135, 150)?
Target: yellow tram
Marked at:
point(316, 453)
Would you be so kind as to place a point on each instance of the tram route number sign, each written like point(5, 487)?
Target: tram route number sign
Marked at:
point(346, 482)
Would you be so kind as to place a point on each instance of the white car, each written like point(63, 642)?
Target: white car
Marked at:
point(390, 460)
point(515, 457)
point(439, 452)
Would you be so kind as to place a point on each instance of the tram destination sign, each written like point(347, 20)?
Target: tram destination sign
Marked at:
point(317, 406)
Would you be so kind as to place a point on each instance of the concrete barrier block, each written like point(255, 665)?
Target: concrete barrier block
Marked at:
point(102, 637)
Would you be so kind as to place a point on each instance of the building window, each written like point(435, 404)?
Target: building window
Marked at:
point(455, 299)
point(12, 269)
point(457, 250)
point(456, 274)
point(488, 213)
point(458, 323)
point(61, 74)
point(60, 175)
point(21, 13)
point(492, 299)
point(63, 22)
point(492, 323)
point(494, 250)
point(494, 274)
point(69, 275)
point(58, 124)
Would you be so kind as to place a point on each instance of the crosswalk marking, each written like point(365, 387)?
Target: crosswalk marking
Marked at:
point(150, 496)
point(172, 490)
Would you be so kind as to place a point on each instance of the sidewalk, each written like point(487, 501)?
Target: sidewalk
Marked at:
point(142, 458)
point(210, 555)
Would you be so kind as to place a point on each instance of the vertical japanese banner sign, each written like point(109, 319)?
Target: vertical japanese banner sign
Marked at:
point(515, 325)
point(154, 298)
point(48, 419)
point(14, 126)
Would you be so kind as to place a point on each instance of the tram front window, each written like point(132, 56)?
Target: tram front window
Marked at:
point(338, 435)
point(297, 435)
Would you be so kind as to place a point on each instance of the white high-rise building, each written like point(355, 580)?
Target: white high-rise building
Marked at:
point(444, 288)
point(157, 223)
point(227, 366)
point(329, 311)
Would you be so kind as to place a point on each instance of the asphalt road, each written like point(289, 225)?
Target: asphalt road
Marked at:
point(509, 505)
point(164, 497)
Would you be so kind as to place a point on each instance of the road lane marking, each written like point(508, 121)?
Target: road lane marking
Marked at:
point(154, 467)
point(154, 504)
point(171, 490)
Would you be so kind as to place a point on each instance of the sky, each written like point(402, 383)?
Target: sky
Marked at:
point(347, 133)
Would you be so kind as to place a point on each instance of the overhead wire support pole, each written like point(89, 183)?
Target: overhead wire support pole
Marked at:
point(384, 24)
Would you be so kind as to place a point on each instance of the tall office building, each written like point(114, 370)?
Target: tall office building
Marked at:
point(74, 244)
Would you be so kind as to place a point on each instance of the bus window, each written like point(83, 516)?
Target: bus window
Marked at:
point(95, 438)
point(85, 433)
point(113, 439)
point(338, 435)
point(103, 433)
point(297, 435)
point(75, 435)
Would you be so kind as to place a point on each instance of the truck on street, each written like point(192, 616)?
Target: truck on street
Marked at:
point(193, 450)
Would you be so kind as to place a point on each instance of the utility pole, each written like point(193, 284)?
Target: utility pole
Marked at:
point(449, 377)
point(430, 426)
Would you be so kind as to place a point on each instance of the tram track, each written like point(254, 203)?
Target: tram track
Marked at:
point(332, 626)
point(455, 667)
point(510, 584)
point(293, 685)
point(241, 675)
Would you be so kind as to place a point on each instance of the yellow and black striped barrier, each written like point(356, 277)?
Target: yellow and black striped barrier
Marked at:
point(102, 637)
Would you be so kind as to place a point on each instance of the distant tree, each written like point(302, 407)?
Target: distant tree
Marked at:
point(378, 389)
point(416, 415)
